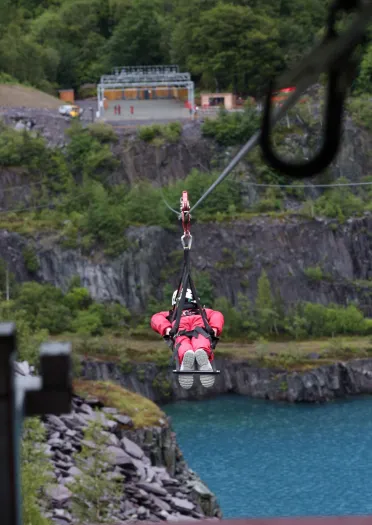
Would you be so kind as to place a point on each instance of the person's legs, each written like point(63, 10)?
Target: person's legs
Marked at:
point(203, 356)
point(186, 358)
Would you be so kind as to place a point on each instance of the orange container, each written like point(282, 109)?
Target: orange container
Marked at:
point(130, 93)
point(67, 95)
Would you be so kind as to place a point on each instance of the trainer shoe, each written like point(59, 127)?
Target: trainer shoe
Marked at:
point(204, 365)
point(188, 363)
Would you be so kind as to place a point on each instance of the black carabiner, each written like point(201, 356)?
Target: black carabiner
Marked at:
point(332, 135)
point(337, 88)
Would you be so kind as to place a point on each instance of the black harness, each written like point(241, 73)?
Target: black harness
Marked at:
point(179, 310)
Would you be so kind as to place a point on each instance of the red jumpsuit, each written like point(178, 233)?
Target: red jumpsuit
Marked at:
point(160, 322)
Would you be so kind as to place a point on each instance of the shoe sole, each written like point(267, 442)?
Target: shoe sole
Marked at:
point(188, 363)
point(204, 365)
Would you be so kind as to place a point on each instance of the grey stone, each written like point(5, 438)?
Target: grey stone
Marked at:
point(201, 489)
point(132, 449)
point(59, 493)
point(57, 422)
point(118, 456)
point(87, 409)
point(182, 504)
point(74, 471)
point(140, 469)
point(161, 504)
point(108, 410)
point(154, 488)
point(62, 513)
point(124, 420)
point(55, 443)
point(66, 480)
point(71, 433)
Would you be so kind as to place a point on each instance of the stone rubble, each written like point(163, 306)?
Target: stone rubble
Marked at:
point(151, 491)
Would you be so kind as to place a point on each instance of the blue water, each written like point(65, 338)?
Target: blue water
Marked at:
point(268, 459)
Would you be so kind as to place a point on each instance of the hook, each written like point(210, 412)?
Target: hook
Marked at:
point(332, 135)
point(339, 79)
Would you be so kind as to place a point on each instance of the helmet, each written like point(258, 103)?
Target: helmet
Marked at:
point(189, 298)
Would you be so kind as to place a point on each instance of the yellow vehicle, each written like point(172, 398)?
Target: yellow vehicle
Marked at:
point(70, 110)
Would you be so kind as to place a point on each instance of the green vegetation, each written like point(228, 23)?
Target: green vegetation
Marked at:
point(41, 310)
point(35, 472)
point(95, 496)
point(315, 273)
point(158, 134)
point(230, 129)
point(141, 410)
point(194, 35)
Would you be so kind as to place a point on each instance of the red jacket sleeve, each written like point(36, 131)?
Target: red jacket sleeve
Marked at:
point(216, 320)
point(159, 323)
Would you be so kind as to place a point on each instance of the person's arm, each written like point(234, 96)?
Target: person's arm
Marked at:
point(160, 323)
point(216, 321)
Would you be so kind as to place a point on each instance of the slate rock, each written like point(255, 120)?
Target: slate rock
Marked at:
point(87, 409)
point(62, 513)
point(140, 469)
point(131, 448)
point(118, 456)
point(124, 420)
point(109, 410)
point(59, 493)
point(182, 504)
point(55, 421)
point(74, 471)
point(154, 488)
point(161, 504)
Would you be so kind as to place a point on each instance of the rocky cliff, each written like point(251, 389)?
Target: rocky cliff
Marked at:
point(158, 484)
point(319, 384)
point(233, 254)
point(138, 160)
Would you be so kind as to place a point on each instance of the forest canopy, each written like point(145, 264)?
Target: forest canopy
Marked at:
point(225, 44)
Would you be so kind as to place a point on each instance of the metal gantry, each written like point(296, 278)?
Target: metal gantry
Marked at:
point(145, 77)
point(23, 396)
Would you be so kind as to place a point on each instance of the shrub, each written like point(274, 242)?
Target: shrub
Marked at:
point(35, 472)
point(168, 132)
point(339, 203)
point(87, 322)
point(95, 496)
point(104, 133)
point(230, 129)
point(31, 260)
point(314, 273)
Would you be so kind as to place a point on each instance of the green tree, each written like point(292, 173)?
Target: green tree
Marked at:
point(138, 37)
point(230, 41)
point(95, 495)
point(267, 316)
point(35, 472)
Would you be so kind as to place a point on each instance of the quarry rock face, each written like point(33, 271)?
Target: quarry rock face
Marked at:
point(233, 254)
point(320, 384)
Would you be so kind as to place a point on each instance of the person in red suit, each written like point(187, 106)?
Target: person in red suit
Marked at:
point(194, 350)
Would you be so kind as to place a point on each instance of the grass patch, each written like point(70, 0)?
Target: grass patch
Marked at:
point(288, 355)
point(143, 412)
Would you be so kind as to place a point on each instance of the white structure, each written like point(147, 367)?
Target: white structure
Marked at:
point(145, 78)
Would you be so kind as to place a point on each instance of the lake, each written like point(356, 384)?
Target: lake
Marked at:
point(269, 459)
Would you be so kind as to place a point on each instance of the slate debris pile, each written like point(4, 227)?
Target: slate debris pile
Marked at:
point(150, 493)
